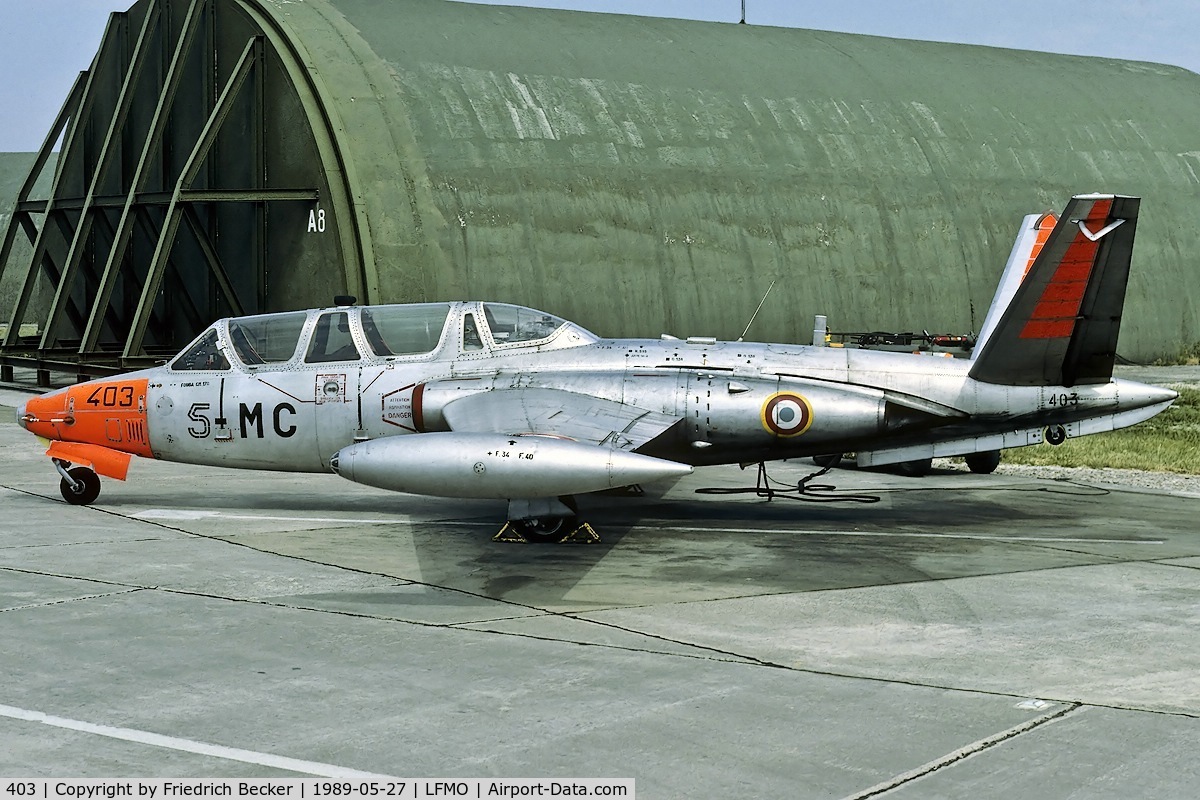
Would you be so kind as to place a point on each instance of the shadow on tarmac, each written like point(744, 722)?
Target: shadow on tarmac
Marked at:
point(678, 547)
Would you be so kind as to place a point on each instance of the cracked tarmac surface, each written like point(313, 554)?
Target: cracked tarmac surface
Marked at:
point(981, 636)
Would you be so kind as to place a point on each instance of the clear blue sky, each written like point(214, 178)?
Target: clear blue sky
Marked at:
point(45, 43)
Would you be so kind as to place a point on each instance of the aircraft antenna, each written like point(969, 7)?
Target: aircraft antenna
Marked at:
point(755, 314)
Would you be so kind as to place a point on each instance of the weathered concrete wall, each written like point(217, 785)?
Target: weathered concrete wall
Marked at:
point(647, 175)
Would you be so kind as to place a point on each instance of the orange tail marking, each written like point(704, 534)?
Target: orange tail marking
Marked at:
point(1056, 311)
point(1044, 226)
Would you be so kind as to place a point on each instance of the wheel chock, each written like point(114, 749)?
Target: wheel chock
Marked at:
point(584, 534)
point(581, 534)
point(509, 534)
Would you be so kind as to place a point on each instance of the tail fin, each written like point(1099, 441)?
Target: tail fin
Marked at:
point(1061, 326)
point(1031, 238)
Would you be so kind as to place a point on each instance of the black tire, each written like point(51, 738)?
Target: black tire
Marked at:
point(1056, 435)
point(544, 529)
point(917, 468)
point(983, 463)
point(89, 488)
point(831, 460)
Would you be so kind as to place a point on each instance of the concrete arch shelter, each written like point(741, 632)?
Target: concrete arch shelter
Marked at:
point(637, 175)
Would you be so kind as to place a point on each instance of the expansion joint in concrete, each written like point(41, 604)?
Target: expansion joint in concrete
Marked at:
point(974, 748)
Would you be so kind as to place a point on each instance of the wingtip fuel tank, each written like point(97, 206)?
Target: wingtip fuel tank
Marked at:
point(485, 465)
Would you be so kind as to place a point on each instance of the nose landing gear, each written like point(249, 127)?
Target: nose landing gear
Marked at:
point(79, 486)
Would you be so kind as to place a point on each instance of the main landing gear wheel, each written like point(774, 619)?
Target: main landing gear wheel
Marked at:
point(82, 488)
point(546, 520)
point(917, 468)
point(829, 461)
point(983, 463)
point(544, 529)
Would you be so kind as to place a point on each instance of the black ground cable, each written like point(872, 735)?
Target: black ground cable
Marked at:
point(1125, 362)
point(803, 490)
point(822, 492)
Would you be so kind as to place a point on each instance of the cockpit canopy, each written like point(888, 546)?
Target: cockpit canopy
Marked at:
point(406, 330)
point(388, 333)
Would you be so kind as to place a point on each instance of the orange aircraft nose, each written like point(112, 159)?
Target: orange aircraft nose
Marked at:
point(108, 413)
point(46, 415)
point(98, 424)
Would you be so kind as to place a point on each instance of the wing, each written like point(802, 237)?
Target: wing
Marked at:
point(554, 412)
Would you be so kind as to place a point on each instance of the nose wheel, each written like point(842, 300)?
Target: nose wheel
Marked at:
point(79, 485)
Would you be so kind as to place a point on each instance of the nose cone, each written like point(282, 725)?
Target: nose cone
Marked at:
point(629, 468)
point(41, 414)
point(342, 462)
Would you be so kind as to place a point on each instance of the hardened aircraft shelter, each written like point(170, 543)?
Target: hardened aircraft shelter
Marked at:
point(637, 175)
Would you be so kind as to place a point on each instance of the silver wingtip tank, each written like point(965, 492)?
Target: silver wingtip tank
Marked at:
point(486, 465)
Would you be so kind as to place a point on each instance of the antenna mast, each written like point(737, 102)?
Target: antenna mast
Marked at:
point(760, 302)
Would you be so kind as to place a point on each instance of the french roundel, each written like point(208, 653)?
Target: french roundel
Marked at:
point(787, 414)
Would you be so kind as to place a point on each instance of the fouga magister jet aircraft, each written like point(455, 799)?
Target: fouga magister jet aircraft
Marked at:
point(488, 400)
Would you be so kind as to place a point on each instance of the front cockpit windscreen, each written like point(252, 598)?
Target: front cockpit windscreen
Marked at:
point(267, 339)
point(404, 330)
point(202, 354)
point(513, 324)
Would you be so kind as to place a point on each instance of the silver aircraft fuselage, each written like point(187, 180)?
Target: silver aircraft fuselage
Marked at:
point(292, 415)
